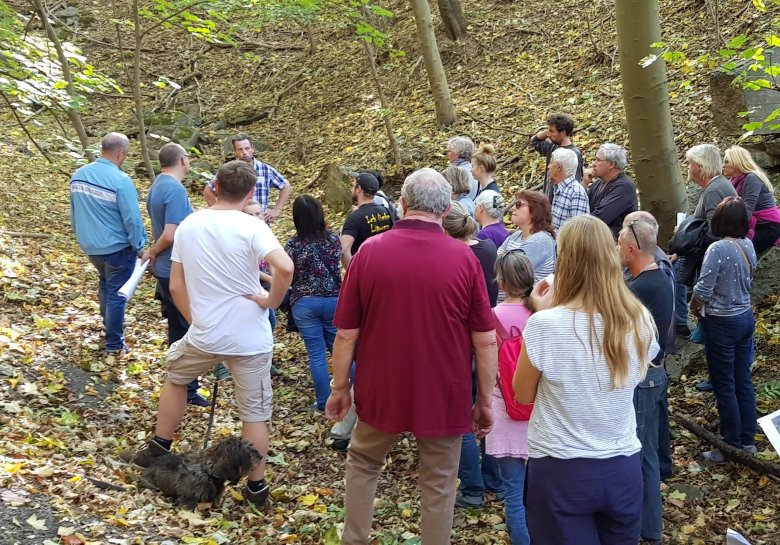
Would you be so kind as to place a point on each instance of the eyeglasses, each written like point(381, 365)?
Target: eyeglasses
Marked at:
point(631, 226)
point(519, 204)
point(597, 160)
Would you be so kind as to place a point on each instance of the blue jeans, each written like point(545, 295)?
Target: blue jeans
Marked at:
point(478, 472)
point(680, 296)
point(728, 345)
point(114, 270)
point(664, 436)
point(314, 316)
point(648, 399)
point(513, 472)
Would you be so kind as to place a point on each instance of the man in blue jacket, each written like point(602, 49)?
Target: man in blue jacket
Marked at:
point(106, 219)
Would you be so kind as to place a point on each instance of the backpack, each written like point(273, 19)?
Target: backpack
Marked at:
point(509, 347)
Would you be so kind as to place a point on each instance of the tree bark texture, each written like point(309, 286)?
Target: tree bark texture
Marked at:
point(453, 19)
point(399, 166)
point(646, 100)
point(73, 114)
point(139, 104)
point(445, 110)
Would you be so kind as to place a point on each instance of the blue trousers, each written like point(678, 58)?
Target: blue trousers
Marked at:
point(648, 402)
point(583, 501)
point(314, 316)
point(478, 472)
point(113, 270)
point(680, 296)
point(728, 345)
point(177, 325)
point(513, 473)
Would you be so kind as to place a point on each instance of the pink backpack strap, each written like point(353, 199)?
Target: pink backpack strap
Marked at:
point(500, 330)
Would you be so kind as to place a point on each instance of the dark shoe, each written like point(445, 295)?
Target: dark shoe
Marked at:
point(645, 541)
point(260, 498)
point(683, 331)
point(275, 372)
point(666, 476)
point(704, 386)
point(145, 454)
point(340, 445)
point(750, 448)
point(198, 400)
point(314, 408)
point(461, 503)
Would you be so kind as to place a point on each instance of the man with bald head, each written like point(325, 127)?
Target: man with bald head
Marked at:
point(106, 219)
point(167, 205)
point(637, 246)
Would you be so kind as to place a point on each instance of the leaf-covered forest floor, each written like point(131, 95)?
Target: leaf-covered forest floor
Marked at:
point(67, 410)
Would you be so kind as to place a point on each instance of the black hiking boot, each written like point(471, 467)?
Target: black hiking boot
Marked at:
point(145, 454)
point(260, 498)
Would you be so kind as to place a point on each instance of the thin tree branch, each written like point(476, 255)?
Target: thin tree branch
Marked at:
point(171, 16)
point(24, 127)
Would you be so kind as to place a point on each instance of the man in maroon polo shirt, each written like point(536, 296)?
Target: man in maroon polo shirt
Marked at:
point(417, 302)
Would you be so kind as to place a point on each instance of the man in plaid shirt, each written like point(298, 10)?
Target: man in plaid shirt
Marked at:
point(267, 177)
point(570, 198)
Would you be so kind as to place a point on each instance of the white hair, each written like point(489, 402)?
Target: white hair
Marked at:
point(427, 191)
point(567, 159)
point(614, 154)
point(462, 145)
point(707, 156)
point(492, 202)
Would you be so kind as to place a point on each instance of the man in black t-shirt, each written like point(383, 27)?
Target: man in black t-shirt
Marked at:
point(556, 135)
point(637, 244)
point(367, 220)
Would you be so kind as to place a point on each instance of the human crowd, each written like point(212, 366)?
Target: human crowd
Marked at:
point(529, 365)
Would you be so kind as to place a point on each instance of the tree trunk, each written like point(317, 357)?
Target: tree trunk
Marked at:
point(73, 113)
point(453, 19)
point(139, 105)
point(399, 166)
point(445, 111)
point(311, 34)
point(646, 100)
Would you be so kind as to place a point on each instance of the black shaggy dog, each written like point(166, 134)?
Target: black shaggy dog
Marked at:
point(200, 477)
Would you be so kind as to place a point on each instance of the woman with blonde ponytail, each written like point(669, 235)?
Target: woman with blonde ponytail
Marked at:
point(483, 166)
point(753, 185)
point(584, 353)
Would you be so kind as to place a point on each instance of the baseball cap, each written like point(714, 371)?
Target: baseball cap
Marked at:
point(368, 182)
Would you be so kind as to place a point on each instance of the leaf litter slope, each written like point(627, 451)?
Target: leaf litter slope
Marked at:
point(67, 411)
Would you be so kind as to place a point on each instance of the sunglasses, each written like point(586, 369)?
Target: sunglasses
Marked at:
point(631, 226)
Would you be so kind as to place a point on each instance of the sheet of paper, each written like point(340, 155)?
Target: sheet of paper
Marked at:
point(680, 217)
point(771, 426)
point(735, 538)
point(127, 290)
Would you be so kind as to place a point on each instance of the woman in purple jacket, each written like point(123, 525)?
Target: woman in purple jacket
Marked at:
point(753, 185)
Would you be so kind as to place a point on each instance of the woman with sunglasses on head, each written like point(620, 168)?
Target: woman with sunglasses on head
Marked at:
point(533, 217)
point(489, 213)
point(722, 291)
point(584, 352)
point(753, 185)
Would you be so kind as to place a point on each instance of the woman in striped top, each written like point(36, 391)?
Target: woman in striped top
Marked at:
point(583, 354)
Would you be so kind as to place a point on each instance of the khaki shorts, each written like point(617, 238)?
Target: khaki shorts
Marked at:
point(251, 376)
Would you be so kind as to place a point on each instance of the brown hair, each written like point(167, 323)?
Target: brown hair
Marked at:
point(539, 208)
point(730, 218)
point(234, 180)
point(486, 158)
point(515, 274)
point(458, 223)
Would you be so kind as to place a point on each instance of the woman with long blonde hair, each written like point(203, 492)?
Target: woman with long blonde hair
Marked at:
point(753, 185)
point(584, 353)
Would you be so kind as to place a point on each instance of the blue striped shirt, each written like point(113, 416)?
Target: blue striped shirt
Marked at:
point(570, 199)
point(267, 177)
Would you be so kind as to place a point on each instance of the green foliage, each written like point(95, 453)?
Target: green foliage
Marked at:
point(31, 73)
point(753, 68)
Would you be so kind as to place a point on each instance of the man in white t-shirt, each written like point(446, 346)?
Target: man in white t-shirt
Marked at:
point(215, 285)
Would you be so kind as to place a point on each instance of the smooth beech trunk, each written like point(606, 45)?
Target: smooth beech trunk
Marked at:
point(646, 100)
point(445, 111)
point(452, 18)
